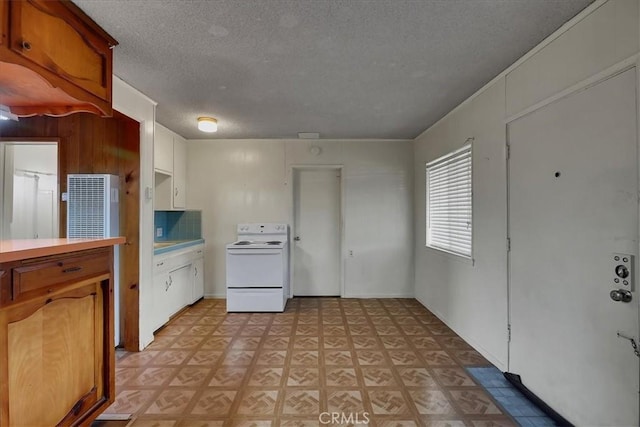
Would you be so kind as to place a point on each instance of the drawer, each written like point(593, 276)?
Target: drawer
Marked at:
point(45, 277)
point(256, 300)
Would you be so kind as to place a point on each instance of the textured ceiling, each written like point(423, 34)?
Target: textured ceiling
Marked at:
point(343, 68)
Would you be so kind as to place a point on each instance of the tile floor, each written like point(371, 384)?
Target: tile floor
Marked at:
point(510, 399)
point(386, 361)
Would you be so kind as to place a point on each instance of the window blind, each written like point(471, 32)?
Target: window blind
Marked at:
point(449, 199)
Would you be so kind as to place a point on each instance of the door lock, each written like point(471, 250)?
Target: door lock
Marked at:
point(623, 271)
point(621, 295)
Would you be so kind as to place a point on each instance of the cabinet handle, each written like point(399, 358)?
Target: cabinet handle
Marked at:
point(176, 192)
point(26, 45)
point(159, 264)
point(72, 269)
point(199, 252)
point(166, 285)
point(196, 270)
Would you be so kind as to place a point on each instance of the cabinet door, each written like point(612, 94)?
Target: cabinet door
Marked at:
point(198, 280)
point(49, 35)
point(54, 355)
point(180, 283)
point(179, 172)
point(161, 308)
point(163, 149)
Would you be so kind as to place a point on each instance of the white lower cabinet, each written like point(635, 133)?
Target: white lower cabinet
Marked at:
point(178, 281)
point(160, 311)
point(197, 291)
point(180, 288)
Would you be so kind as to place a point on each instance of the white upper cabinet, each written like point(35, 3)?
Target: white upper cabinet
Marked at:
point(179, 172)
point(163, 150)
point(170, 164)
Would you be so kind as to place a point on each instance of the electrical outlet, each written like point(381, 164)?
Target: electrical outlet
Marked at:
point(159, 232)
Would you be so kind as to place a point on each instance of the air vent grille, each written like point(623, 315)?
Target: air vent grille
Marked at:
point(86, 206)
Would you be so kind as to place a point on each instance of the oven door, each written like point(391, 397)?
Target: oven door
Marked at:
point(255, 268)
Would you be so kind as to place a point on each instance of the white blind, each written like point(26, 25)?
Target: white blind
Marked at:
point(449, 197)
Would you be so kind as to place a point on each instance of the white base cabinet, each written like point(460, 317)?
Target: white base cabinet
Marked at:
point(178, 281)
point(198, 279)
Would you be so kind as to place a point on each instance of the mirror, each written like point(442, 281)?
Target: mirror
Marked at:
point(29, 185)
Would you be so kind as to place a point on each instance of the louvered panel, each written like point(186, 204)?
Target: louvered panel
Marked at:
point(86, 210)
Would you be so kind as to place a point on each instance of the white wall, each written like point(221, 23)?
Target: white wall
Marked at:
point(236, 181)
point(136, 105)
point(472, 299)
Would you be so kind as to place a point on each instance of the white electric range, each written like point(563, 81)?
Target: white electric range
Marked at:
point(258, 268)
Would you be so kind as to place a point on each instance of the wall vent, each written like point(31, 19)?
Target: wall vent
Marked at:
point(92, 206)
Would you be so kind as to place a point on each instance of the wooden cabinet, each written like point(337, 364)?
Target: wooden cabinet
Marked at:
point(53, 59)
point(170, 164)
point(56, 339)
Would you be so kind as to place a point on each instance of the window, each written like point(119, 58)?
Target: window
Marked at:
point(449, 197)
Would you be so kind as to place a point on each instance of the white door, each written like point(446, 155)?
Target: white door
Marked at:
point(573, 203)
point(316, 241)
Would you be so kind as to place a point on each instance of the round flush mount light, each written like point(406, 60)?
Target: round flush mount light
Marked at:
point(207, 124)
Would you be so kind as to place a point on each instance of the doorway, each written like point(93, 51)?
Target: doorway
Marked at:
point(573, 205)
point(317, 231)
point(30, 203)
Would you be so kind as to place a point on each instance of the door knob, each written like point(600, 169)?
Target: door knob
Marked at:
point(297, 238)
point(621, 295)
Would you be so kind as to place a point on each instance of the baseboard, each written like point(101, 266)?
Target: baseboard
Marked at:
point(486, 354)
point(215, 296)
point(370, 296)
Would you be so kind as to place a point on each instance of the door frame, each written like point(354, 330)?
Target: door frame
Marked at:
point(4, 141)
point(292, 206)
point(633, 62)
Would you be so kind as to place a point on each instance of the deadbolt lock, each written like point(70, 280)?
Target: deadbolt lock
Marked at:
point(623, 271)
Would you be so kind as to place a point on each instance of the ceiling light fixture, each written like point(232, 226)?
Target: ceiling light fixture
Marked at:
point(207, 124)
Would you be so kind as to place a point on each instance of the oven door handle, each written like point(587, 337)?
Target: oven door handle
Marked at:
point(254, 251)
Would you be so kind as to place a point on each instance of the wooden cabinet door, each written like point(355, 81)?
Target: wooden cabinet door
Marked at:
point(179, 173)
point(55, 368)
point(4, 20)
point(49, 35)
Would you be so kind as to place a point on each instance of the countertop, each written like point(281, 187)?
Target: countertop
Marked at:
point(172, 245)
point(13, 250)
